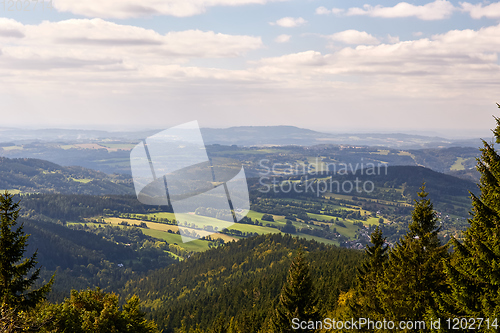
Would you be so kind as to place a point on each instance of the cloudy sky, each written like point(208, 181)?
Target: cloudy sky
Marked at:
point(322, 64)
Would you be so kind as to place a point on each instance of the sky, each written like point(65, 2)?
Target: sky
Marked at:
point(337, 66)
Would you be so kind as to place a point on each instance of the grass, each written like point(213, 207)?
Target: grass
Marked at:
point(82, 180)
point(374, 220)
point(318, 239)
point(350, 229)
point(196, 245)
point(381, 152)
point(152, 225)
point(165, 227)
point(254, 228)
point(254, 215)
point(458, 164)
point(163, 215)
point(160, 231)
point(13, 148)
point(321, 217)
point(11, 191)
point(405, 153)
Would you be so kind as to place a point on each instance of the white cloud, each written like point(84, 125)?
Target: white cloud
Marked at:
point(354, 37)
point(454, 64)
point(289, 22)
point(325, 11)
point(307, 58)
point(417, 33)
point(282, 38)
point(94, 71)
point(437, 10)
point(322, 11)
point(392, 39)
point(11, 28)
point(123, 9)
point(98, 46)
point(477, 11)
point(337, 10)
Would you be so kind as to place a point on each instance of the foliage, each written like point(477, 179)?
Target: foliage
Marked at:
point(90, 256)
point(75, 207)
point(91, 311)
point(364, 298)
point(400, 284)
point(473, 274)
point(267, 217)
point(34, 175)
point(297, 299)
point(240, 279)
point(15, 279)
point(414, 271)
point(17, 293)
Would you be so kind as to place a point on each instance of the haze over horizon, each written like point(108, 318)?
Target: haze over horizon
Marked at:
point(447, 135)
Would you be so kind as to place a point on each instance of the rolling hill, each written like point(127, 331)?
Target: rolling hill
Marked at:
point(27, 175)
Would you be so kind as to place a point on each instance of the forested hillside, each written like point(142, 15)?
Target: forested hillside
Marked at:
point(241, 280)
point(83, 258)
point(34, 175)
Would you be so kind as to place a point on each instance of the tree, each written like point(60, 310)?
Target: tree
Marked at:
point(414, 271)
point(16, 287)
point(297, 299)
point(474, 273)
point(288, 228)
point(364, 301)
point(267, 217)
point(16, 293)
point(92, 311)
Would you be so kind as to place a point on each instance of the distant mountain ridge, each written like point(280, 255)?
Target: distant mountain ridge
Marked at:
point(247, 136)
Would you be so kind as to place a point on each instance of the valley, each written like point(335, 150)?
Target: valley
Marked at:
point(326, 198)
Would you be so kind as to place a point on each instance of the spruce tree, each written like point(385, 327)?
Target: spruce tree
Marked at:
point(414, 272)
point(365, 301)
point(16, 292)
point(474, 271)
point(297, 299)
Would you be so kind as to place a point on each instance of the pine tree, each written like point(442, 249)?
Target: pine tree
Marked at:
point(414, 271)
point(474, 271)
point(365, 299)
point(297, 299)
point(15, 285)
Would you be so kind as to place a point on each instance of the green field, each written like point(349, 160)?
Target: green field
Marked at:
point(171, 238)
point(12, 148)
point(254, 228)
point(254, 215)
point(458, 164)
point(81, 180)
point(373, 220)
point(318, 239)
point(200, 221)
point(197, 245)
point(11, 191)
point(159, 230)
